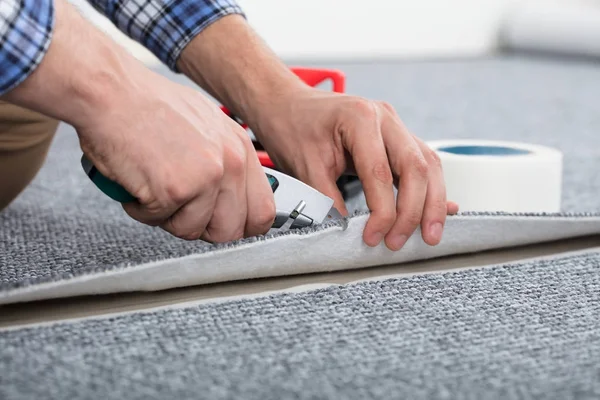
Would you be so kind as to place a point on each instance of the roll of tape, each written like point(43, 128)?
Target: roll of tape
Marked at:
point(486, 175)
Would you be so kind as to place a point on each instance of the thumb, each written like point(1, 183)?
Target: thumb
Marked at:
point(452, 208)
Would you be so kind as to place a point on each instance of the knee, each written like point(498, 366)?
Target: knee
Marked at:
point(25, 137)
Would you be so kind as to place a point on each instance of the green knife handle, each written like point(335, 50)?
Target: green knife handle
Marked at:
point(110, 188)
point(116, 192)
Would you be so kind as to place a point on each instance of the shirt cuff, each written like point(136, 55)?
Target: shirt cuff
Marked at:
point(165, 27)
point(25, 31)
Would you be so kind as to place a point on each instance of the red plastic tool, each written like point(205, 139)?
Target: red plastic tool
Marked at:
point(312, 77)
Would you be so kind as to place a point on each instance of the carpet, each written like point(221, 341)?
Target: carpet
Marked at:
point(62, 237)
point(517, 331)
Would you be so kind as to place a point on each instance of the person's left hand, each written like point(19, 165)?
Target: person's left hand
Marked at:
point(318, 136)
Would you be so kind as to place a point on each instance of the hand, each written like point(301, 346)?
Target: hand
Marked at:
point(193, 170)
point(318, 136)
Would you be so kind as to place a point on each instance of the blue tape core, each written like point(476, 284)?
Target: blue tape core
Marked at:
point(474, 150)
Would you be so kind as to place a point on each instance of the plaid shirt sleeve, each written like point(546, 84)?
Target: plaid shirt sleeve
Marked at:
point(25, 33)
point(165, 27)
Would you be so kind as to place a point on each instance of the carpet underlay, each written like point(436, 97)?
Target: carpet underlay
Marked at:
point(519, 331)
point(62, 237)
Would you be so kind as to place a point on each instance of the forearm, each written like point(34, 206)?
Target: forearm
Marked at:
point(232, 63)
point(165, 27)
point(77, 73)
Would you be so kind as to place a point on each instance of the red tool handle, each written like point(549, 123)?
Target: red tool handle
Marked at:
point(264, 159)
point(312, 77)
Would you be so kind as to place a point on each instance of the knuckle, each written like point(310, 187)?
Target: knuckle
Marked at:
point(244, 137)
point(418, 164)
point(439, 205)
point(264, 216)
point(173, 227)
point(381, 172)
point(224, 237)
point(387, 217)
point(439, 208)
point(144, 195)
point(214, 173)
point(236, 162)
point(387, 106)
point(434, 159)
point(154, 210)
point(190, 236)
point(436, 207)
point(239, 133)
point(155, 206)
point(176, 193)
point(363, 108)
point(413, 218)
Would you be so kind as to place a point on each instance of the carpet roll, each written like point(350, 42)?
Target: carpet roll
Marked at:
point(553, 27)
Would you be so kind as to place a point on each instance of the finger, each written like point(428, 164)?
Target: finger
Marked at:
point(178, 205)
point(261, 203)
point(325, 183)
point(191, 220)
point(411, 168)
point(162, 205)
point(153, 215)
point(435, 210)
point(231, 209)
point(365, 145)
point(452, 208)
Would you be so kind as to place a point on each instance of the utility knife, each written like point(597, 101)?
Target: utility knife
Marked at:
point(298, 205)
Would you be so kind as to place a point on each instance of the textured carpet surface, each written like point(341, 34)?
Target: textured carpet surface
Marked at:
point(522, 331)
point(62, 225)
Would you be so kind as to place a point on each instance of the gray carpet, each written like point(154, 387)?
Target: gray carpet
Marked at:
point(62, 226)
point(529, 331)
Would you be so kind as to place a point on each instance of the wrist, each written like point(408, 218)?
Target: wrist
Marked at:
point(266, 101)
point(248, 79)
point(80, 70)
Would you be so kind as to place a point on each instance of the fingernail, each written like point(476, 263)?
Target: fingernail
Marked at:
point(435, 231)
point(397, 242)
point(377, 238)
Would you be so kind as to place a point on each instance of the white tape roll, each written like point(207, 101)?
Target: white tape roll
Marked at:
point(486, 175)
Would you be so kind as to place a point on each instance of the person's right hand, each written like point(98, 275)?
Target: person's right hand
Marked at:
point(193, 169)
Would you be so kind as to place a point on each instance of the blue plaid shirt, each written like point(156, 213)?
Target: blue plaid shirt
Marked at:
point(165, 27)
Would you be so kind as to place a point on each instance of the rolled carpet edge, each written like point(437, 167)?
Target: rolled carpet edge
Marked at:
point(559, 28)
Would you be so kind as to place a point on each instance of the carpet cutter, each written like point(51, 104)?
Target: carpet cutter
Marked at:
point(298, 205)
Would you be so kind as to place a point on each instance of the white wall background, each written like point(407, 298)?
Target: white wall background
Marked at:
point(377, 28)
point(359, 29)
